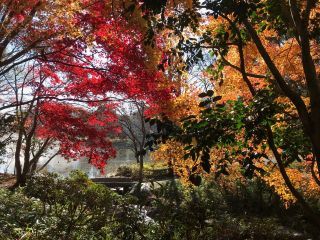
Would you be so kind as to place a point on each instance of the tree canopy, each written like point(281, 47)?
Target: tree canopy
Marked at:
point(261, 59)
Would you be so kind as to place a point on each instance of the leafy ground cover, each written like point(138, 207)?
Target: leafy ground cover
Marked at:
point(50, 207)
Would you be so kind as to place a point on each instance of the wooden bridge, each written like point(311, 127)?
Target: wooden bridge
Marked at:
point(115, 182)
point(123, 184)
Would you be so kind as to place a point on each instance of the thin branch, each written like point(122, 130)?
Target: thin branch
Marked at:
point(47, 162)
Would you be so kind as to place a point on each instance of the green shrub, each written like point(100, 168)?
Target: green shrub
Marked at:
point(17, 213)
point(181, 212)
point(75, 208)
point(150, 171)
point(124, 171)
point(71, 208)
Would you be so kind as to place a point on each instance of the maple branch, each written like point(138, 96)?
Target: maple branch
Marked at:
point(6, 12)
point(16, 30)
point(109, 99)
point(74, 65)
point(24, 51)
point(305, 206)
point(307, 61)
point(239, 69)
point(270, 137)
point(48, 161)
point(293, 96)
point(14, 64)
point(242, 68)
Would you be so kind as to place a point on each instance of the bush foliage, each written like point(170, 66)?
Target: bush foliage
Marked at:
point(50, 207)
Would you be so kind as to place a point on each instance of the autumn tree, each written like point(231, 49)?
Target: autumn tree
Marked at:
point(65, 66)
point(265, 56)
point(73, 131)
point(29, 27)
point(132, 117)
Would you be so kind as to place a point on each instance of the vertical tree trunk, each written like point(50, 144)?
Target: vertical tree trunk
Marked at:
point(308, 211)
point(305, 120)
point(18, 168)
point(140, 169)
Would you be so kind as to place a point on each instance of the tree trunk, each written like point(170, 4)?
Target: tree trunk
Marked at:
point(308, 211)
point(21, 180)
point(17, 164)
point(140, 169)
point(303, 114)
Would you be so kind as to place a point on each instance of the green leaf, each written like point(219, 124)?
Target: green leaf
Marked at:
point(217, 98)
point(204, 103)
point(202, 95)
point(195, 179)
point(210, 93)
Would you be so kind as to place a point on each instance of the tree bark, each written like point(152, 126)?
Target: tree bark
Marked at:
point(140, 169)
point(310, 122)
point(310, 214)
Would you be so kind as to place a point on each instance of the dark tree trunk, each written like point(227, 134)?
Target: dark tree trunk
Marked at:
point(303, 114)
point(140, 169)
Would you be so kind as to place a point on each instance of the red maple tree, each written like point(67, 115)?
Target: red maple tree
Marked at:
point(80, 70)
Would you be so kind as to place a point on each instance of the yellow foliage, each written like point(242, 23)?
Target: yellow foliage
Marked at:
point(172, 153)
point(184, 105)
point(301, 180)
point(285, 54)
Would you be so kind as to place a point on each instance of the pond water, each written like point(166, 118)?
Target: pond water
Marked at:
point(60, 165)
